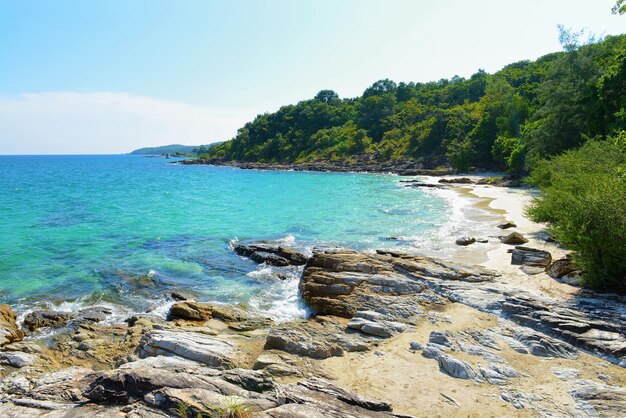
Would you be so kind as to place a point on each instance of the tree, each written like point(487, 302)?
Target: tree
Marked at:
point(327, 96)
point(620, 7)
point(583, 196)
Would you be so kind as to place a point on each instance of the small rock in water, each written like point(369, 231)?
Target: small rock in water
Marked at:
point(507, 225)
point(465, 241)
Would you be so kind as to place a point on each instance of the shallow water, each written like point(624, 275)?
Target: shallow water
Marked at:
point(123, 230)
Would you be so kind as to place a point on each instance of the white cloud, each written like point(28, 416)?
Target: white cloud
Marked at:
point(101, 123)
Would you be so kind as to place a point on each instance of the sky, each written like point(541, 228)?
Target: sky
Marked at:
point(85, 77)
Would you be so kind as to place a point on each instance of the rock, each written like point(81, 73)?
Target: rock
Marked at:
point(9, 332)
point(560, 268)
point(530, 257)
point(374, 323)
point(415, 346)
point(450, 365)
point(181, 295)
point(514, 238)
point(317, 398)
point(93, 314)
point(323, 338)
point(46, 318)
point(498, 374)
point(565, 373)
point(464, 241)
point(274, 255)
point(228, 313)
point(543, 346)
point(17, 359)
point(507, 225)
point(342, 282)
point(440, 338)
point(459, 180)
point(599, 399)
point(193, 346)
point(191, 311)
point(251, 324)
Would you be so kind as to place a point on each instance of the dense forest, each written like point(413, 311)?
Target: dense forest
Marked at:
point(506, 120)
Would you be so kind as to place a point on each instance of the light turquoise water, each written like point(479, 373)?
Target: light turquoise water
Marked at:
point(78, 230)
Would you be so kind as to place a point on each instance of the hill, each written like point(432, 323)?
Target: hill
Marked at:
point(173, 149)
point(507, 120)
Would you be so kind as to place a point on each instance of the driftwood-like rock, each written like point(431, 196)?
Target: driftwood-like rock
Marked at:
point(274, 255)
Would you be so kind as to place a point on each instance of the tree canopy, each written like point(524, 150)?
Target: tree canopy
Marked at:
point(508, 120)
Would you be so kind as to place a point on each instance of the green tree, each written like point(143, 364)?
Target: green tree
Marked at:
point(583, 196)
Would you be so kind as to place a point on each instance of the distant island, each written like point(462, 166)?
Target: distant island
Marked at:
point(175, 149)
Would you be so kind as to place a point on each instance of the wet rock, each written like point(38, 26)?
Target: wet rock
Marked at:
point(514, 238)
point(47, 318)
point(201, 348)
point(459, 180)
point(560, 268)
point(274, 255)
point(182, 295)
point(93, 314)
point(507, 225)
point(9, 332)
point(464, 241)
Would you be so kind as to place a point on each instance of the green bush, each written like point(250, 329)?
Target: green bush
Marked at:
point(583, 199)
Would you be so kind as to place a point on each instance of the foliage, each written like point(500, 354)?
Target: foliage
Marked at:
point(232, 407)
point(620, 7)
point(507, 120)
point(583, 196)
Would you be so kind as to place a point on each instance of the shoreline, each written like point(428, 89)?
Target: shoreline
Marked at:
point(468, 334)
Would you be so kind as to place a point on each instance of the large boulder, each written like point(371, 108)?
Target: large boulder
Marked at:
point(526, 256)
point(191, 311)
point(342, 282)
point(560, 268)
point(9, 332)
point(46, 318)
point(198, 311)
point(514, 238)
point(275, 255)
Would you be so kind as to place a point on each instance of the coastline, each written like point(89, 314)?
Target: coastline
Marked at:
point(454, 336)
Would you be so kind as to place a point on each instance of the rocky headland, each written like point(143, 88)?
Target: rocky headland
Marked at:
point(389, 334)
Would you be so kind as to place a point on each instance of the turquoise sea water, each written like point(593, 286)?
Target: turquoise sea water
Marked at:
point(123, 230)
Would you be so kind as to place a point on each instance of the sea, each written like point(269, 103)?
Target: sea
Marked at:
point(125, 231)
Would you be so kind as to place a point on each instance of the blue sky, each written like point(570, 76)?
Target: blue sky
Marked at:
point(110, 76)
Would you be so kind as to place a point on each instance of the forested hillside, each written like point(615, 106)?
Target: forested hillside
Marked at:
point(506, 120)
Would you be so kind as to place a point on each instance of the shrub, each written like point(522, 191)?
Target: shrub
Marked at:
point(583, 199)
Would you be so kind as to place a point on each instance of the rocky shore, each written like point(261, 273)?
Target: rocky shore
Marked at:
point(390, 334)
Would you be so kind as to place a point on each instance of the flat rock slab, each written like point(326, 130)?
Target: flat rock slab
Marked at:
point(192, 346)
